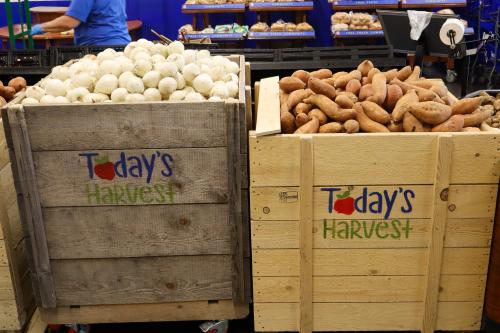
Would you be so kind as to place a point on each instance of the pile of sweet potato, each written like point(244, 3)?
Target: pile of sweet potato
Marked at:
point(368, 100)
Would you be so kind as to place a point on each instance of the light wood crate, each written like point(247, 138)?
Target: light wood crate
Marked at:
point(16, 296)
point(136, 244)
point(324, 263)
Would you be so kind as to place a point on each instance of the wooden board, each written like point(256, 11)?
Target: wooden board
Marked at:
point(367, 316)
point(465, 201)
point(368, 289)
point(142, 231)
point(158, 125)
point(285, 235)
point(268, 121)
point(192, 176)
point(336, 262)
point(275, 159)
point(184, 311)
point(159, 279)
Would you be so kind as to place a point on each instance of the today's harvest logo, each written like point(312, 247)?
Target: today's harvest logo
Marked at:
point(129, 178)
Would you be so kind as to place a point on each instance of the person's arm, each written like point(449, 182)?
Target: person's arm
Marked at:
point(62, 23)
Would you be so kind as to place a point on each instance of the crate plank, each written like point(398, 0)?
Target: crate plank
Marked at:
point(9, 319)
point(6, 287)
point(437, 232)
point(159, 279)
point(281, 262)
point(367, 316)
point(185, 311)
point(197, 176)
point(459, 233)
point(142, 231)
point(282, 203)
point(7, 186)
point(275, 160)
point(368, 289)
point(157, 125)
point(269, 106)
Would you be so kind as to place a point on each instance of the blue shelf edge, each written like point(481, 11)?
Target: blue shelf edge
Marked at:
point(353, 3)
point(264, 5)
point(215, 6)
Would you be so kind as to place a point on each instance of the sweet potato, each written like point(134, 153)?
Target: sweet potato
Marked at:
point(297, 96)
point(412, 124)
point(312, 126)
point(330, 108)
point(322, 73)
point(283, 101)
point(339, 74)
point(353, 86)
point(424, 95)
point(318, 114)
point(431, 112)
point(351, 126)
point(365, 92)
point(344, 102)
point(371, 73)
point(454, 124)
point(333, 127)
point(365, 67)
point(403, 105)
point(487, 128)
point(302, 75)
point(350, 95)
point(18, 83)
point(375, 112)
point(364, 81)
point(440, 90)
point(470, 129)
point(301, 119)
point(393, 73)
point(287, 123)
point(303, 108)
point(466, 105)
point(395, 127)
point(342, 81)
point(477, 117)
point(415, 75)
point(379, 85)
point(365, 123)
point(404, 73)
point(394, 93)
point(289, 84)
point(320, 87)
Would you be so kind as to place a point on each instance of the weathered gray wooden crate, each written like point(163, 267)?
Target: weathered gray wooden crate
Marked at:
point(134, 211)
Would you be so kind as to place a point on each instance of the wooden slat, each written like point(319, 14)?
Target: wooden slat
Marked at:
point(336, 262)
point(275, 160)
point(9, 318)
point(156, 125)
point(368, 289)
point(198, 176)
point(33, 218)
point(234, 202)
point(438, 232)
point(367, 316)
point(128, 231)
point(465, 201)
point(285, 235)
point(6, 286)
point(36, 324)
point(268, 121)
point(184, 311)
point(4, 154)
point(7, 186)
point(305, 230)
point(159, 279)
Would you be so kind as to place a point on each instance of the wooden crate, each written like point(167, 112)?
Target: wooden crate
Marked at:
point(371, 231)
point(156, 237)
point(16, 296)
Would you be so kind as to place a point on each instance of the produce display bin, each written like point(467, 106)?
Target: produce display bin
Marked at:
point(364, 232)
point(16, 296)
point(134, 211)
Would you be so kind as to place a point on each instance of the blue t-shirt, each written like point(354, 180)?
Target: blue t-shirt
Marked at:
point(103, 22)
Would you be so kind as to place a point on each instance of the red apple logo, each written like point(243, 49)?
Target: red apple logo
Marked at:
point(104, 169)
point(344, 204)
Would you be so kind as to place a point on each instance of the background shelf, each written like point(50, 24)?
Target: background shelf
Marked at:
point(215, 8)
point(282, 35)
point(281, 6)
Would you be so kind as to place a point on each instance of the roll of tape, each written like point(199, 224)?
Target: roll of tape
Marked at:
point(454, 25)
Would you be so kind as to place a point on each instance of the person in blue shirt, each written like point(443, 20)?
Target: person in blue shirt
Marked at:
point(96, 22)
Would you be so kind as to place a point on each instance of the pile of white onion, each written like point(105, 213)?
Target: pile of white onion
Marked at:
point(145, 71)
